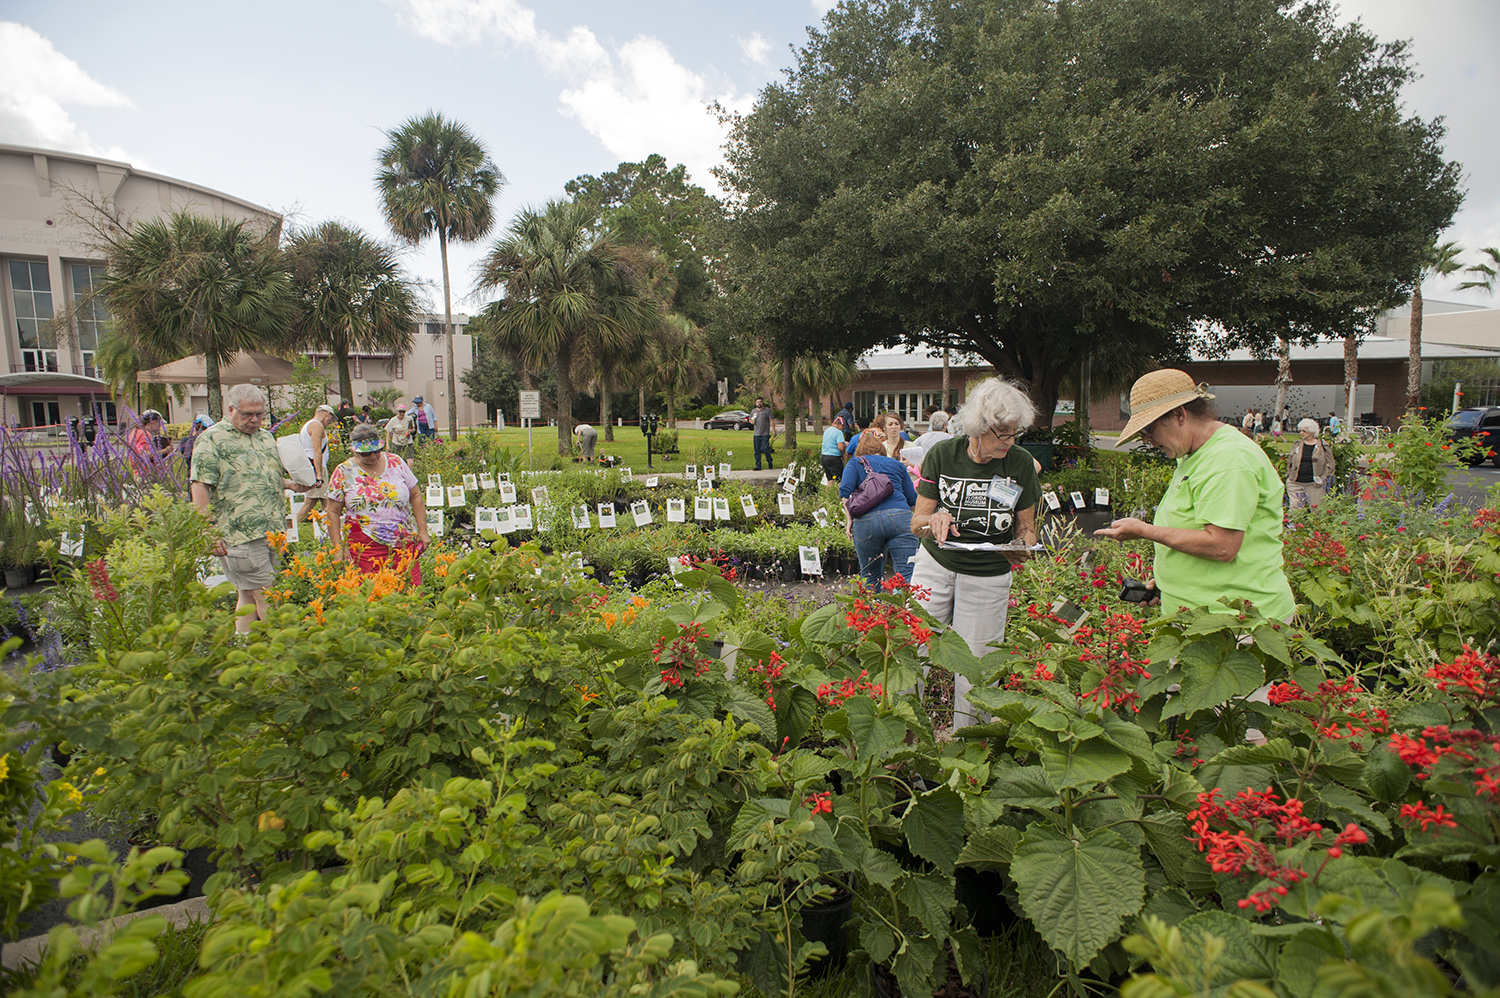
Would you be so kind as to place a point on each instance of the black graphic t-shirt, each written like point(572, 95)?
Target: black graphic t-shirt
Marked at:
point(962, 487)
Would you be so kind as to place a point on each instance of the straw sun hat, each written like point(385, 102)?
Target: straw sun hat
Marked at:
point(1156, 394)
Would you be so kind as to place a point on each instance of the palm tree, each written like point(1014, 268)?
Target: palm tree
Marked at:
point(1486, 272)
point(813, 376)
point(188, 284)
point(120, 362)
point(568, 288)
point(350, 296)
point(435, 177)
point(1440, 260)
point(679, 362)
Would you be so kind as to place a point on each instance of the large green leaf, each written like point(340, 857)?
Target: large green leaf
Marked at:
point(990, 848)
point(1301, 956)
point(934, 827)
point(873, 731)
point(1082, 764)
point(1167, 836)
point(1211, 677)
point(1478, 948)
point(952, 652)
point(1246, 956)
point(746, 706)
point(825, 625)
point(876, 940)
point(929, 898)
point(1078, 891)
point(1346, 806)
point(1386, 775)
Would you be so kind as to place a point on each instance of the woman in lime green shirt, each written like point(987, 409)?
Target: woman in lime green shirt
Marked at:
point(1217, 530)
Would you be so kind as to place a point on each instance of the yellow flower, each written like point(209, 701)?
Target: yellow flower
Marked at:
point(4, 766)
point(269, 821)
point(71, 791)
point(99, 771)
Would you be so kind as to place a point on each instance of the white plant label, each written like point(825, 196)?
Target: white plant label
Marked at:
point(434, 496)
point(641, 511)
point(703, 508)
point(721, 507)
point(820, 516)
point(539, 496)
point(747, 504)
point(505, 476)
point(1053, 503)
point(486, 480)
point(705, 486)
point(812, 562)
point(522, 517)
point(724, 468)
point(72, 547)
point(484, 518)
point(507, 493)
point(434, 479)
point(471, 482)
point(291, 534)
point(690, 470)
point(790, 486)
point(456, 496)
point(581, 517)
point(505, 523)
point(1101, 497)
point(653, 482)
point(786, 505)
point(1079, 502)
point(676, 510)
point(606, 514)
point(435, 522)
point(627, 476)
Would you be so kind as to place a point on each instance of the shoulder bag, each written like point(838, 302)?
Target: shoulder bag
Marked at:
point(874, 490)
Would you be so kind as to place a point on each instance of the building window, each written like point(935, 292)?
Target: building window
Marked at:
point(31, 292)
point(435, 329)
point(90, 313)
point(437, 366)
point(45, 413)
point(359, 367)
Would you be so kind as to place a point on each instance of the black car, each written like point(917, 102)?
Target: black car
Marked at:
point(734, 419)
point(1481, 423)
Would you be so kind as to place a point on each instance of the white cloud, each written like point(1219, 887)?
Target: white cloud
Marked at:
point(635, 101)
point(37, 83)
point(757, 48)
point(821, 7)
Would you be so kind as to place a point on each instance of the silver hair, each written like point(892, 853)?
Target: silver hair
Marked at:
point(938, 420)
point(237, 395)
point(1308, 426)
point(996, 404)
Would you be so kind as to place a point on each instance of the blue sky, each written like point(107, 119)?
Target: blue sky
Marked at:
point(285, 104)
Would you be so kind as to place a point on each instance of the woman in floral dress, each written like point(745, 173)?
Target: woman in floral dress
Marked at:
point(375, 507)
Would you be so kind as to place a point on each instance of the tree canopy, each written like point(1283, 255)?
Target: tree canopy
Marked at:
point(1039, 181)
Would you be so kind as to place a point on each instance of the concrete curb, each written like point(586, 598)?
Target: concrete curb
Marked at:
point(30, 950)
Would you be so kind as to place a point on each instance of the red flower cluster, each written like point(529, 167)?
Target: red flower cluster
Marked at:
point(681, 653)
point(98, 572)
point(866, 617)
point(1187, 749)
point(1239, 852)
point(1316, 549)
point(1468, 748)
point(834, 694)
point(1420, 814)
point(820, 803)
point(1487, 519)
point(1117, 646)
point(1331, 709)
point(1471, 674)
point(1041, 674)
point(766, 673)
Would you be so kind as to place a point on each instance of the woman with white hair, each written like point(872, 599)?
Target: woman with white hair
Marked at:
point(977, 488)
point(1309, 467)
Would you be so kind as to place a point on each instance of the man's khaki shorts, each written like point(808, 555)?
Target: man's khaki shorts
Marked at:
point(250, 565)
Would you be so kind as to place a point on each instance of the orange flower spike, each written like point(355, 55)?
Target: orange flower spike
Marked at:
point(609, 620)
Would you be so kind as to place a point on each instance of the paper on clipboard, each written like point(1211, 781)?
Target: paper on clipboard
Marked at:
point(990, 546)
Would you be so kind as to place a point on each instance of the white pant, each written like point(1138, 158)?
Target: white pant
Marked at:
point(973, 606)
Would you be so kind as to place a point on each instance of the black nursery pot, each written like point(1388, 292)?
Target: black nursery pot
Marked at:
point(828, 923)
point(791, 571)
point(982, 893)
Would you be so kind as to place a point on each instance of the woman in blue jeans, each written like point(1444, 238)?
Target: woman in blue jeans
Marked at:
point(887, 527)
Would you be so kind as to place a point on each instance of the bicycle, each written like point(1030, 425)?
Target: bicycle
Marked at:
point(1371, 435)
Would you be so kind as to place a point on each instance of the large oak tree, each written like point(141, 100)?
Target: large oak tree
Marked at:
point(1040, 181)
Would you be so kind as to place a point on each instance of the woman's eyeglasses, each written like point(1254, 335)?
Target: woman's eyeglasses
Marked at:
point(1007, 438)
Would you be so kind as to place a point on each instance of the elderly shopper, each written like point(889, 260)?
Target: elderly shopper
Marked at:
point(978, 491)
point(148, 445)
point(1217, 530)
point(588, 437)
point(1309, 467)
point(398, 431)
point(376, 508)
point(885, 528)
point(237, 482)
point(937, 429)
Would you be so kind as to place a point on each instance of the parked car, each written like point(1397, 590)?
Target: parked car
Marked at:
point(734, 419)
point(1483, 424)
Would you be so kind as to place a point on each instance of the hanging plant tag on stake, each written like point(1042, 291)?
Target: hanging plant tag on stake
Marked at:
point(1053, 503)
point(434, 496)
point(507, 493)
point(812, 563)
point(522, 517)
point(434, 480)
point(581, 517)
point(705, 486)
point(504, 521)
point(653, 482)
point(703, 508)
point(627, 476)
point(505, 476)
point(721, 507)
point(435, 522)
point(1079, 502)
point(820, 516)
point(690, 470)
point(72, 547)
point(676, 510)
point(485, 518)
point(724, 468)
point(457, 496)
point(471, 482)
point(486, 480)
point(538, 496)
point(747, 504)
point(641, 511)
point(1101, 498)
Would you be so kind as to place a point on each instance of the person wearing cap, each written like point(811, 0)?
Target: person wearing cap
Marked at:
point(977, 488)
point(314, 437)
point(201, 422)
point(238, 484)
point(398, 432)
point(1217, 530)
point(376, 511)
point(588, 437)
point(147, 444)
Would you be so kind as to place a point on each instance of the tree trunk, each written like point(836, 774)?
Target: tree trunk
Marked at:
point(791, 403)
point(563, 365)
point(346, 384)
point(1414, 353)
point(672, 410)
point(525, 372)
point(945, 377)
point(1283, 374)
point(1351, 375)
point(606, 383)
point(817, 403)
point(1085, 386)
point(642, 390)
point(215, 393)
point(448, 337)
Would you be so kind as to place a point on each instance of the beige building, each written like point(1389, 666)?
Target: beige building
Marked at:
point(49, 262)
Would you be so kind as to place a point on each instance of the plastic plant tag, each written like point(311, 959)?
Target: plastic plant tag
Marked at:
point(606, 514)
point(581, 517)
point(676, 510)
point(786, 505)
point(72, 547)
point(434, 479)
point(291, 535)
point(705, 486)
point(690, 471)
point(434, 496)
point(1053, 503)
point(504, 521)
point(747, 504)
point(457, 496)
point(1101, 497)
point(522, 517)
point(1079, 502)
point(703, 508)
point(724, 468)
point(435, 522)
point(812, 562)
point(641, 512)
point(507, 493)
point(820, 516)
point(653, 482)
point(539, 496)
point(471, 482)
point(486, 480)
point(484, 518)
point(627, 476)
point(505, 476)
point(721, 507)
point(790, 486)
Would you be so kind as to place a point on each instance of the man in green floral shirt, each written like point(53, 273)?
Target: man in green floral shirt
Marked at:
point(238, 483)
